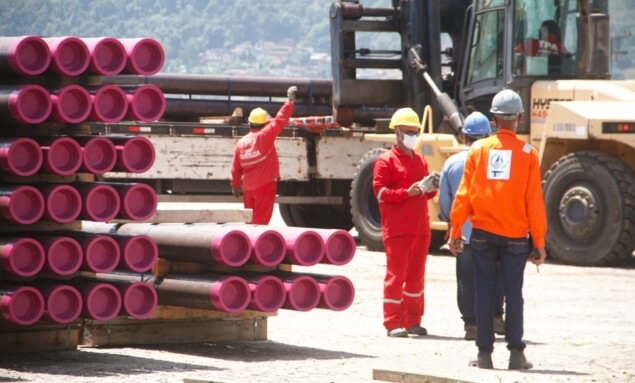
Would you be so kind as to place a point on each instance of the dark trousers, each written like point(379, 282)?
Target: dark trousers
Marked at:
point(465, 288)
point(489, 250)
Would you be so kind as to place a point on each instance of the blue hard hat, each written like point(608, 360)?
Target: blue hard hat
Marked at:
point(476, 124)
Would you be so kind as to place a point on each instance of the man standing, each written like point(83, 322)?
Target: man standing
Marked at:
point(501, 193)
point(255, 168)
point(476, 127)
point(403, 205)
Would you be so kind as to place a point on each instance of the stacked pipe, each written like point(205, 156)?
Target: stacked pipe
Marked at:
point(236, 249)
point(46, 173)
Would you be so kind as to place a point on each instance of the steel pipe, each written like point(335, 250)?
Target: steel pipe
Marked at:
point(64, 255)
point(139, 253)
point(268, 293)
point(63, 303)
point(145, 56)
point(303, 291)
point(107, 55)
point(100, 202)
point(71, 104)
point(99, 155)
point(63, 203)
point(146, 103)
point(138, 201)
point(26, 55)
point(336, 292)
point(25, 104)
point(20, 156)
point(61, 155)
point(23, 257)
point(139, 299)
point(109, 103)
point(102, 301)
point(339, 246)
point(102, 253)
point(69, 55)
point(21, 204)
point(304, 247)
point(135, 154)
point(22, 305)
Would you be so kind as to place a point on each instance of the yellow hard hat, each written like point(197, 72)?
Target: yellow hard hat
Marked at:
point(258, 116)
point(404, 116)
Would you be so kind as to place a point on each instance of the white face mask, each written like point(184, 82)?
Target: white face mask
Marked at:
point(409, 141)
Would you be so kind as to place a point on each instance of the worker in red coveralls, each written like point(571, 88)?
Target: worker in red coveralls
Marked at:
point(255, 168)
point(403, 186)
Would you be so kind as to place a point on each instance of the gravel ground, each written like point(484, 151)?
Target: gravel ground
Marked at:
point(578, 327)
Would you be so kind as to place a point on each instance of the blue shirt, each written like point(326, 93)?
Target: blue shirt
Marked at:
point(448, 185)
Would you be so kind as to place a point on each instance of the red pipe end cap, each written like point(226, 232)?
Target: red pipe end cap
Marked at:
point(139, 299)
point(230, 295)
point(26, 205)
point(136, 155)
point(109, 104)
point(29, 55)
point(303, 293)
point(340, 248)
point(30, 104)
point(64, 255)
point(138, 202)
point(102, 301)
point(147, 103)
point(23, 157)
point(63, 156)
point(305, 248)
point(63, 304)
point(101, 254)
point(71, 104)
point(269, 249)
point(139, 253)
point(63, 204)
point(70, 55)
point(338, 293)
point(101, 203)
point(145, 56)
point(267, 294)
point(107, 56)
point(99, 155)
point(22, 305)
point(24, 257)
point(231, 248)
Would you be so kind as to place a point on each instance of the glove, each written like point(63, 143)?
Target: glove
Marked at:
point(291, 93)
point(430, 183)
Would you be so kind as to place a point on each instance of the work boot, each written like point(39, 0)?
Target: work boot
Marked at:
point(483, 360)
point(499, 326)
point(517, 360)
point(417, 330)
point(470, 331)
point(398, 333)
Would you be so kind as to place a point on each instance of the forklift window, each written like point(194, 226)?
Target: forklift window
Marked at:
point(486, 49)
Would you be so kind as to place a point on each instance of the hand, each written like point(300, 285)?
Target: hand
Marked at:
point(414, 190)
point(542, 255)
point(456, 245)
point(291, 93)
point(430, 183)
point(237, 192)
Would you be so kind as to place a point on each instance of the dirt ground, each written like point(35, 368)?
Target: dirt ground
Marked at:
point(579, 327)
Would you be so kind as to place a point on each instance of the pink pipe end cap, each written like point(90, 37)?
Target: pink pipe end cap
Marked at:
point(339, 247)
point(305, 248)
point(70, 55)
point(230, 295)
point(102, 301)
point(63, 203)
point(64, 255)
point(71, 104)
point(24, 205)
point(231, 248)
point(109, 104)
point(21, 156)
point(101, 254)
point(267, 293)
point(139, 299)
point(30, 104)
point(135, 155)
point(303, 293)
point(63, 304)
point(29, 55)
point(107, 55)
point(99, 155)
point(24, 257)
point(268, 249)
point(138, 202)
point(337, 293)
point(146, 103)
point(63, 156)
point(22, 305)
point(145, 56)
point(101, 203)
point(139, 253)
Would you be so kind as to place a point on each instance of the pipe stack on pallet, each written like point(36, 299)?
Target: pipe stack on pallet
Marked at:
point(48, 163)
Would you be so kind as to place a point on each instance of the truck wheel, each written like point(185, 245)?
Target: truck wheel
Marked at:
point(316, 216)
point(364, 206)
point(590, 204)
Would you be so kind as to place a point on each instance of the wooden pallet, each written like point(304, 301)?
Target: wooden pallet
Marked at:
point(39, 337)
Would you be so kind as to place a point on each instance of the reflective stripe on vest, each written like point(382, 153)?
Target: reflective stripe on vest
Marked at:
point(413, 295)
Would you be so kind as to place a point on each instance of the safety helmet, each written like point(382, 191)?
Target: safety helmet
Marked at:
point(405, 117)
point(507, 102)
point(258, 116)
point(476, 124)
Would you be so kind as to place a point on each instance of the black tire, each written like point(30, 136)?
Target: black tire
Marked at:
point(315, 216)
point(590, 204)
point(364, 206)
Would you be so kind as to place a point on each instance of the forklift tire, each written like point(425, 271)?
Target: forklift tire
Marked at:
point(364, 206)
point(590, 205)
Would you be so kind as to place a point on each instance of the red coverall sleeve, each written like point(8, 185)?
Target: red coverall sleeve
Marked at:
point(534, 202)
point(275, 126)
point(381, 182)
point(237, 170)
point(462, 207)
